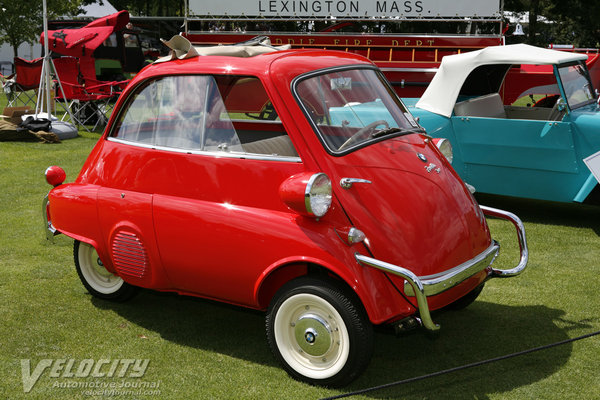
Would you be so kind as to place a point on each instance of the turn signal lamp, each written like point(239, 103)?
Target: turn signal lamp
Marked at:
point(351, 235)
point(445, 148)
point(55, 175)
point(307, 193)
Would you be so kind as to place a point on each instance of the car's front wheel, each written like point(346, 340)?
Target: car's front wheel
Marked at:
point(319, 332)
point(466, 300)
point(96, 279)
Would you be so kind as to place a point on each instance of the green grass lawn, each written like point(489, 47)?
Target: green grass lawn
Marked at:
point(200, 349)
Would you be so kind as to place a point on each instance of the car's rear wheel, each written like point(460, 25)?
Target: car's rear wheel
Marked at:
point(98, 280)
point(319, 332)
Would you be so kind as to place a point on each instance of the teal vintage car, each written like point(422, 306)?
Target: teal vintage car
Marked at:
point(547, 146)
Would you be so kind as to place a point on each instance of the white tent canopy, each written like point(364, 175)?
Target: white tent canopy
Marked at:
point(441, 94)
point(98, 9)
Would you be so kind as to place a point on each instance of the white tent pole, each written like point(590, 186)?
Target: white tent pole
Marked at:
point(45, 78)
point(46, 68)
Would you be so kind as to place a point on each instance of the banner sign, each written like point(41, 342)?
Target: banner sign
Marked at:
point(426, 9)
point(593, 164)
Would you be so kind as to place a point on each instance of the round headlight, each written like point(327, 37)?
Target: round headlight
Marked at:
point(445, 148)
point(318, 194)
point(307, 193)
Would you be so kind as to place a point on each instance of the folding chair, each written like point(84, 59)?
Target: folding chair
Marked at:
point(25, 79)
point(107, 91)
point(74, 95)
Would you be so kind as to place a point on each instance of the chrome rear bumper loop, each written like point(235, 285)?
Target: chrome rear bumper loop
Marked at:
point(423, 286)
point(524, 251)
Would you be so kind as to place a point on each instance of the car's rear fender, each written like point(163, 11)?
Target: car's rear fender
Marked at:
point(72, 212)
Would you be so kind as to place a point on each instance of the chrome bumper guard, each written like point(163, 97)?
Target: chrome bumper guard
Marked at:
point(421, 287)
point(48, 227)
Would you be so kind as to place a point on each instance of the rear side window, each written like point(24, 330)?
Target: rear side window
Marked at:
point(204, 113)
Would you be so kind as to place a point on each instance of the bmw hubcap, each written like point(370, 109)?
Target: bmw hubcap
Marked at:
point(313, 334)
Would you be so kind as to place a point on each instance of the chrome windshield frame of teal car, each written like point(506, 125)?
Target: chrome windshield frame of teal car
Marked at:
point(576, 85)
point(533, 151)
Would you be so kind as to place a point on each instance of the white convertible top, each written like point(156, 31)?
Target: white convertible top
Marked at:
point(442, 92)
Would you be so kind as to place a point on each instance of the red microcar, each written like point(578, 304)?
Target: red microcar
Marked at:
point(290, 181)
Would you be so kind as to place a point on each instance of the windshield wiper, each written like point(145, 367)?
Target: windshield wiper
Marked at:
point(389, 131)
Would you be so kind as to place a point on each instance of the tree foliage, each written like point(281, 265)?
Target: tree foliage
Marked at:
point(156, 8)
point(22, 21)
point(575, 22)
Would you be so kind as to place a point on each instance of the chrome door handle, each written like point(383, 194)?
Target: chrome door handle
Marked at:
point(347, 183)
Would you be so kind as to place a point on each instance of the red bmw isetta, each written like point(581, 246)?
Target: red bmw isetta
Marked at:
point(251, 179)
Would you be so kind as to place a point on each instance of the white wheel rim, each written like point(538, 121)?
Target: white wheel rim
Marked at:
point(311, 336)
point(94, 272)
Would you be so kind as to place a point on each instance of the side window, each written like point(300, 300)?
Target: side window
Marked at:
point(130, 40)
point(110, 41)
point(181, 112)
point(205, 113)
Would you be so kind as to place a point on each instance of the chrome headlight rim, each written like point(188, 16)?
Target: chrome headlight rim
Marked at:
point(445, 147)
point(318, 203)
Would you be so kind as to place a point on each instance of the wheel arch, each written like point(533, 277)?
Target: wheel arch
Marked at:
point(104, 256)
point(277, 275)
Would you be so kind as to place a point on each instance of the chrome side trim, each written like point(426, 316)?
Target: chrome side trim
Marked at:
point(412, 279)
point(524, 250)
point(49, 229)
point(228, 154)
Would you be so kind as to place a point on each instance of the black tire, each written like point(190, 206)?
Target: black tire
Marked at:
point(96, 279)
point(319, 332)
point(466, 300)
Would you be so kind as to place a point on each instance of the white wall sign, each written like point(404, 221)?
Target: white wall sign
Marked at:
point(347, 8)
point(593, 164)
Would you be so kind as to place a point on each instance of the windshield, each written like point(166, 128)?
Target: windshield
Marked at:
point(577, 85)
point(353, 107)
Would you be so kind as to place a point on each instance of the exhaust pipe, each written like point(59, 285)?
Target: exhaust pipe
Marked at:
point(406, 325)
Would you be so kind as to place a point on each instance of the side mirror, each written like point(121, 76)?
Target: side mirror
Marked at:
point(561, 105)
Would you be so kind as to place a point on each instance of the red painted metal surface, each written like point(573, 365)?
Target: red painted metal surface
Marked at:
point(217, 227)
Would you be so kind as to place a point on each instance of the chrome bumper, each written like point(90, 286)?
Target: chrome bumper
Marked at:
point(524, 251)
point(421, 287)
point(48, 227)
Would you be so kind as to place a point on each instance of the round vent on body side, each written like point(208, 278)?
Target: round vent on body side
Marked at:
point(129, 255)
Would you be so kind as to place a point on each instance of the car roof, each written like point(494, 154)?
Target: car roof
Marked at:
point(247, 60)
point(441, 94)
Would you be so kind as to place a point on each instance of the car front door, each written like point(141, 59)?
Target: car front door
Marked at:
point(518, 157)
